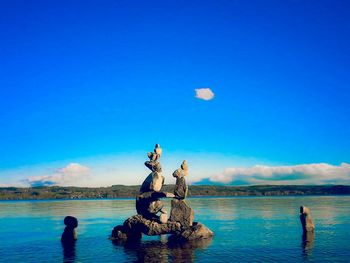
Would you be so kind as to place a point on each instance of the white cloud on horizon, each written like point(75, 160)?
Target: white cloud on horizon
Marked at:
point(316, 173)
point(125, 169)
point(204, 167)
point(66, 176)
point(204, 94)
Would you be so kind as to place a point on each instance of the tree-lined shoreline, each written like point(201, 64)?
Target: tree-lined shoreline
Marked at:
point(124, 191)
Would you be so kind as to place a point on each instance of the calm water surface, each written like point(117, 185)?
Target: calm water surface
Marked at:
point(247, 229)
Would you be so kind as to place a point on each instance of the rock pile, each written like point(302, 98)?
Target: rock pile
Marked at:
point(151, 218)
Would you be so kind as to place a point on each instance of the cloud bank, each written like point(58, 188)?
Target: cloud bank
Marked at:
point(204, 94)
point(66, 176)
point(317, 173)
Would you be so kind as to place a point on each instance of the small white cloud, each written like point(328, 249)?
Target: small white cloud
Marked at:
point(66, 176)
point(204, 94)
point(318, 173)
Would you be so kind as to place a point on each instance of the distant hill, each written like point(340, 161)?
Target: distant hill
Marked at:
point(118, 191)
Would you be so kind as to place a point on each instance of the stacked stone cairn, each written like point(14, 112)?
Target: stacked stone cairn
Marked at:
point(69, 235)
point(308, 229)
point(152, 218)
point(306, 220)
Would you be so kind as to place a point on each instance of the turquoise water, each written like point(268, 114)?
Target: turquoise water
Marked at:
point(247, 229)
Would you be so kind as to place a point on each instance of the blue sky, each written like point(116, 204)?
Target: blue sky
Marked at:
point(95, 84)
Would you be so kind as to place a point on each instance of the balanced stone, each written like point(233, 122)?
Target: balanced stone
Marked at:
point(147, 202)
point(181, 212)
point(154, 181)
point(181, 189)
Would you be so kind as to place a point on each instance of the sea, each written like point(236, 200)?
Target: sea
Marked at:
point(247, 229)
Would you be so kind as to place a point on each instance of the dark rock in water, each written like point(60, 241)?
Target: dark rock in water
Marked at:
point(121, 233)
point(149, 227)
point(306, 219)
point(181, 212)
point(135, 226)
point(197, 231)
point(69, 233)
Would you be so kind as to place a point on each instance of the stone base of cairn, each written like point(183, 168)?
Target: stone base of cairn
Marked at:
point(180, 225)
point(135, 226)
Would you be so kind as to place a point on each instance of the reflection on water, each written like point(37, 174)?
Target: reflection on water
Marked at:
point(161, 250)
point(307, 243)
point(68, 249)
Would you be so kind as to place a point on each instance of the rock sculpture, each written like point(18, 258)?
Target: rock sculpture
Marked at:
point(151, 218)
point(181, 188)
point(306, 220)
point(69, 234)
point(180, 211)
point(148, 203)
